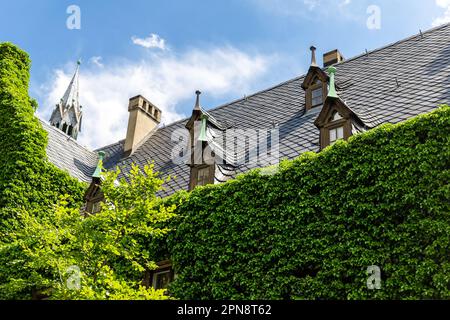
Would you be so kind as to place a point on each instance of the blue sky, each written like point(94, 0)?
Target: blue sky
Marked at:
point(166, 50)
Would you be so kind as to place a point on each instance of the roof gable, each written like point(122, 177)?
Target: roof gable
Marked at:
point(313, 73)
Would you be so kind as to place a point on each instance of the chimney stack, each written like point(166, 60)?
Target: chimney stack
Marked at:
point(332, 57)
point(143, 118)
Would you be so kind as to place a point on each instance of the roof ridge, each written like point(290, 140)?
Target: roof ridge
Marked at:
point(393, 43)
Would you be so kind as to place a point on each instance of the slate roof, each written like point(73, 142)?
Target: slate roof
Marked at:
point(390, 84)
point(65, 153)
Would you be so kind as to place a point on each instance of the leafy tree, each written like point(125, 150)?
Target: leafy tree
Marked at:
point(103, 256)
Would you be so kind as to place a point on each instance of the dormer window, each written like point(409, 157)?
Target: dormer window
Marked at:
point(316, 93)
point(202, 160)
point(336, 120)
point(335, 128)
point(315, 84)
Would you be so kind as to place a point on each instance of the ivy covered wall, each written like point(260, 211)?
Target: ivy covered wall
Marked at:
point(312, 230)
point(29, 183)
point(27, 179)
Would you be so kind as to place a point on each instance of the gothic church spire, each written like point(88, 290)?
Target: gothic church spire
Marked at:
point(67, 114)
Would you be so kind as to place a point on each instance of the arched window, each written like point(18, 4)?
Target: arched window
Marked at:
point(64, 128)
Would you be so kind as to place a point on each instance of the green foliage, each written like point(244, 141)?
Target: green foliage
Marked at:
point(27, 179)
point(29, 183)
point(107, 250)
point(311, 230)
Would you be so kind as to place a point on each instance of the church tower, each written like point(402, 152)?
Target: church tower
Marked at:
point(67, 114)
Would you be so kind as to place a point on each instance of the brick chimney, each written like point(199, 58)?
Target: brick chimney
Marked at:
point(332, 57)
point(143, 118)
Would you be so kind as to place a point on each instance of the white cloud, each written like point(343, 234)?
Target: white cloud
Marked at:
point(153, 41)
point(167, 80)
point(446, 17)
point(96, 60)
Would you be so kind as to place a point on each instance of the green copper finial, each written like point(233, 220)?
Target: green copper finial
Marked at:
point(98, 170)
point(202, 136)
point(332, 91)
point(79, 62)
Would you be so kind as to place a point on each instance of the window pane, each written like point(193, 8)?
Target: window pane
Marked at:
point(96, 207)
point(332, 135)
point(336, 134)
point(317, 97)
point(340, 133)
point(162, 280)
point(316, 101)
point(317, 92)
